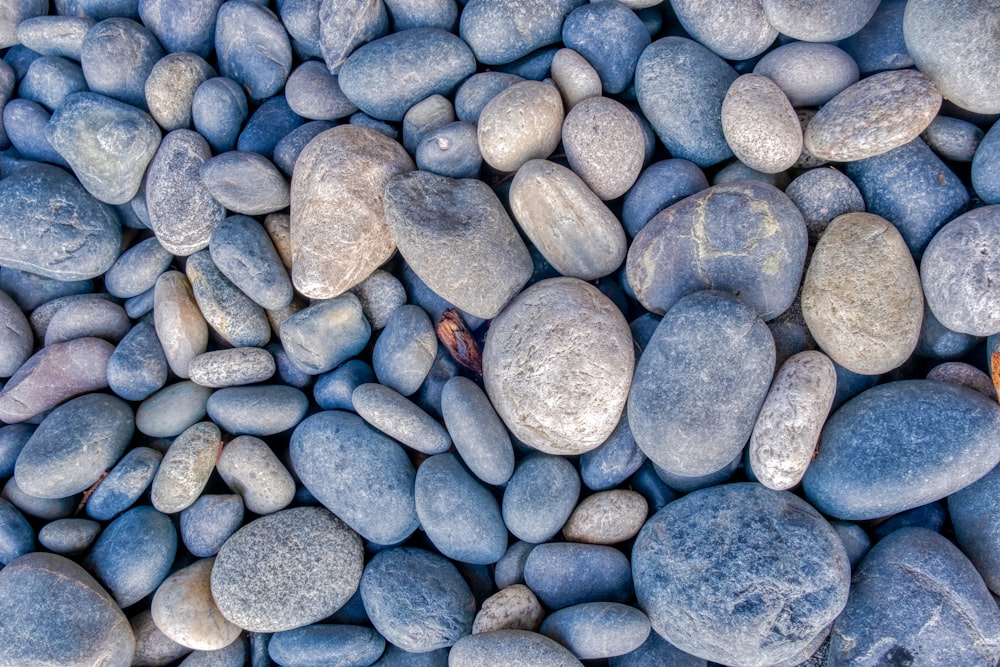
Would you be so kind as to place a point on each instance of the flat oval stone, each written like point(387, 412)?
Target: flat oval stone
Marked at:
point(49, 80)
point(230, 312)
point(956, 272)
point(54, 374)
point(18, 341)
point(182, 212)
point(511, 608)
point(249, 467)
point(245, 182)
point(520, 123)
point(760, 125)
point(380, 295)
point(386, 77)
point(185, 468)
point(699, 384)
point(476, 429)
point(501, 31)
point(746, 237)
point(321, 337)
point(185, 610)
point(286, 570)
point(953, 138)
point(975, 524)
point(517, 648)
point(346, 465)
point(338, 224)
point(596, 630)
point(52, 227)
point(963, 374)
point(260, 410)
point(218, 110)
point(253, 48)
point(487, 263)
point(692, 577)
point(680, 86)
point(808, 74)
point(789, 423)
point(137, 269)
point(877, 114)
point(948, 617)
point(861, 296)
point(609, 158)
point(314, 93)
point(326, 644)
point(171, 86)
point(244, 253)
point(539, 497)
point(400, 418)
point(558, 389)
point(607, 517)
point(172, 409)
point(123, 485)
point(117, 55)
point(47, 509)
point(53, 612)
point(417, 599)
point(563, 574)
point(575, 77)
point(74, 445)
point(614, 461)
point(815, 21)
point(405, 351)
point(68, 536)
point(950, 43)
point(875, 446)
point(231, 367)
point(98, 318)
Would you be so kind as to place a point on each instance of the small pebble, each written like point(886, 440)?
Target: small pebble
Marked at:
point(185, 468)
point(249, 467)
point(184, 609)
point(608, 517)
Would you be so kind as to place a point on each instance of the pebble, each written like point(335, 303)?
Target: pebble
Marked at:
point(54, 36)
point(733, 30)
point(338, 224)
point(512, 608)
point(50, 596)
point(471, 97)
point(380, 295)
point(209, 522)
point(231, 313)
point(17, 537)
point(242, 250)
point(185, 468)
point(326, 644)
point(321, 337)
point(43, 508)
point(234, 655)
point(185, 609)
point(966, 375)
point(344, 26)
point(477, 431)
point(397, 657)
point(861, 296)
point(117, 55)
point(953, 139)
point(287, 150)
point(406, 14)
point(614, 461)
point(596, 630)
point(660, 185)
point(557, 366)
point(137, 269)
point(399, 418)
point(12, 440)
point(231, 367)
point(517, 648)
point(405, 351)
point(97, 318)
point(656, 651)
point(246, 183)
point(871, 451)
point(250, 468)
point(821, 195)
point(333, 390)
point(426, 116)
point(287, 570)
point(972, 517)
point(253, 48)
point(575, 77)
point(611, 37)
point(608, 160)
point(152, 647)
point(172, 409)
point(124, 483)
point(68, 536)
point(501, 31)
point(50, 79)
point(879, 45)
point(540, 497)
point(939, 342)
point(260, 410)
point(607, 517)
point(417, 599)
point(181, 26)
point(452, 150)
point(218, 111)
point(563, 574)
point(816, 21)
point(985, 174)
point(760, 125)
point(14, 15)
point(522, 122)
point(171, 86)
point(18, 341)
point(313, 93)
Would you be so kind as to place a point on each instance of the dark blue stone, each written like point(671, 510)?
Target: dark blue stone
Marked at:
point(12, 440)
point(286, 151)
point(501, 31)
point(562, 574)
point(182, 26)
point(660, 185)
point(117, 56)
point(931, 516)
point(614, 461)
point(657, 652)
point(326, 645)
point(253, 48)
point(611, 37)
point(138, 366)
point(272, 120)
point(646, 482)
point(333, 390)
point(535, 66)
point(17, 537)
point(25, 122)
point(405, 350)
point(855, 539)
point(451, 151)
point(259, 410)
point(19, 59)
point(301, 20)
point(128, 480)
point(244, 253)
point(986, 167)
point(509, 570)
point(879, 45)
point(218, 110)
point(977, 525)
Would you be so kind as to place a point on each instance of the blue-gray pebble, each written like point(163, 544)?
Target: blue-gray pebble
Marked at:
point(477, 431)
point(333, 390)
point(182, 26)
point(326, 334)
point(244, 253)
point(245, 183)
point(405, 350)
point(69, 536)
point(253, 48)
point(117, 56)
point(259, 410)
point(218, 110)
point(501, 31)
point(596, 630)
point(17, 537)
point(124, 484)
point(540, 496)
point(614, 461)
point(660, 185)
point(50, 80)
point(611, 37)
point(563, 574)
point(208, 523)
point(986, 167)
point(326, 644)
point(977, 526)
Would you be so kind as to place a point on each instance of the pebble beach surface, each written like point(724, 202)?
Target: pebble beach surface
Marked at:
point(478, 333)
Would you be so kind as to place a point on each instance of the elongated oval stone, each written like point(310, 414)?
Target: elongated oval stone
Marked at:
point(338, 226)
point(902, 445)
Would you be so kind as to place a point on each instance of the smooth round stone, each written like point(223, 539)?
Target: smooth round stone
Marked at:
point(596, 630)
point(604, 145)
point(956, 273)
point(124, 484)
point(50, 80)
point(181, 26)
point(287, 570)
point(487, 263)
point(517, 648)
point(68, 536)
point(249, 467)
point(97, 318)
point(557, 389)
point(327, 645)
point(58, 36)
point(397, 657)
point(426, 116)
point(231, 313)
point(260, 410)
point(345, 26)
point(760, 125)
point(53, 612)
point(287, 150)
point(822, 195)
point(477, 431)
point(452, 151)
point(117, 56)
point(405, 351)
point(137, 269)
point(185, 468)
point(54, 374)
point(680, 86)
point(182, 212)
point(243, 252)
point(607, 517)
point(386, 77)
point(417, 599)
point(659, 186)
point(976, 528)
point(272, 120)
point(12, 441)
point(911, 187)
point(953, 139)
point(171, 86)
point(231, 367)
point(965, 375)
point(789, 423)
point(209, 522)
point(512, 608)
point(540, 497)
point(333, 390)
point(253, 48)
point(563, 574)
point(17, 537)
point(25, 124)
point(949, 617)
point(985, 172)
point(694, 583)
point(568, 223)
point(460, 517)
point(14, 14)
point(611, 37)
point(472, 96)
point(313, 93)
point(575, 77)
point(614, 461)
point(361, 475)
point(185, 610)
point(338, 224)
point(380, 295)
point(509, 570)
point(42, 508)
point(700, 383)
point(399, 418)
point(18, 341)
point(861, 296)
point(245, 183)
point(218, 110)
point(951, 44)
point(874, 447)
point(152, 647)
point(939, 342)
point(733, 30)
point(322, 336)
point(873, 116)
point(501, 31)
point(74, 445)
point(172, 409)
point(520, 123)
point(133, 555)
point(818, 21)
point(52, 227)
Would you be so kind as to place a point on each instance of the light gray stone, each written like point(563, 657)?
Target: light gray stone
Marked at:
point(607, 517)
point(184, 610)
point(521, 123)
point(760, 124)
point(604, 145)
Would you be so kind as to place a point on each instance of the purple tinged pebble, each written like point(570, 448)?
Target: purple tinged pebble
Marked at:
point(915, 594)
point(405, 350)
point(596, 630)
point(614, 461)
point(171, 86)
point(50, 80)
point(185, 611)
point(250, 468)
point(901, 445)
point(260, 410)
point(172, 409)
point(326, 334)
point(657, 652)
point(272, 120)
point(12, 441)
point(88, 317)
point(234, 655)
point(732, 29)
point(345, 26)
point(476, 92)
point(660, 185)
point(117, 56)
point(218, 110)
point(133, 555)
point(230, 312)
point(399, 418)
point(69, 536)
point(43, 508)
point(821, 195)
point(515, 648)
point(611, 37)
point(245, 183)
point(53, 375)
point(333, 389)
point(253, 48)
point(232, 367)
point(879, 44)
point(953, 139)
point(313, 93)
point(182, 25)
point(417, 599)
point(243, 252)
point(186, 467)
point(563, 574)
point(137, 269)
point(977, 529)
point(17, 537)
point(818, 20)
point(986, 167)
point(53, 612)
point(152, 647)
point(61, 36)
point(17, 341)
point(540, 496)
point(501, 31)
point(963, 374)
point(452, 151)
point(25, 123)
point(209, 522)
point(180, 326)
point(301, 20)
point(406, 14)
point(124, 484)
point(478, 433)
point(286, 151)
point(325, 644)
point(426, 116)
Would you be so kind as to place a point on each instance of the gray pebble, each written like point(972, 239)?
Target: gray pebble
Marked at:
point(231, 367)
point(243, 251)
point(260, 410)
point(137, 269)
point(380, 295)
point(732, 29)
point(152, 647)
point(47, 509)
point(234, 655)
point(123, 485)
point(344, 26)
point(539, 497)
point(822, 195)
point(476, 429)
point(604, 145)
point(405, 351)
point(315, 94)
point(17, 342)
point(170, 88)
point(97, 318)
point(760, 125)
point(326, 334)
point(245, 182)
point(606, 517)
point(230, 312)
point(171, 410)
point(185, 610)
point(452, 150)
point(185, 469)
point(595, 630)
point(68, 536)
point(953, 138)
point(575, 77)
point(809, 74)
point(430, 114)
point(819, 20)
point(521, 123)
point(967, 375)
point(400, 419)
point(250, 468)
point(509, 570)
point(514, 648)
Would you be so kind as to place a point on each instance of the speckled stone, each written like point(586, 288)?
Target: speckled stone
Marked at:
point(137, 269)
point(488, 26)
point(875, 115)
point(760, 125)
point(539, 497)
point(512, 608)
point(596, 630)
point(818, 20)
point(861, 296)
point(965, 375)
point(563, 574)
point(184, 610)
point(732, 29)
point(231, 367)
point(124, 484)
point(604, 145)
point(953, 138)
point(17, 537)
point(18, 342)
point(344, 26)
point(607, 517)
point(809, 74)
point(338, 229)
point(185, 468)
point(976, 528)
point(231, 313)
point(170, 88)
point(399, 418)
point(821, 195)
point(152, 647)
point(259, 410)
point(557, 366)
point(575, 77)
point(249, 467)
point(68, 536)
point(522, 122)
point(245, 182)
point(180, 326)
point(405, 350)
point(380, 295)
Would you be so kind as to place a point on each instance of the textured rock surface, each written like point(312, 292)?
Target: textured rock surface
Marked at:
point(516, 648)
point(521, 123)
point(604, 145)
point(511, 608)
point(819, 21)
point(186, 467)
point(976, 528)
point(608, 517)
point(731, 29)
point(184, 609)
point(760, 125)
point(539, 497)
point(809, 74)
